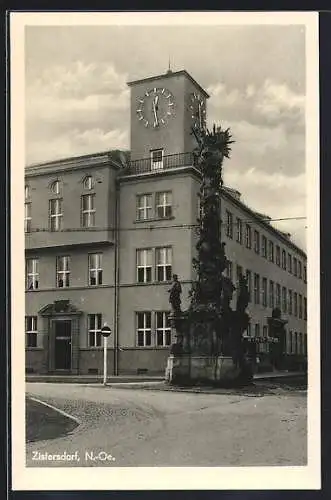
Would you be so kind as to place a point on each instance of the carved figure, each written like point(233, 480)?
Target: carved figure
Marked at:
point(175, 293)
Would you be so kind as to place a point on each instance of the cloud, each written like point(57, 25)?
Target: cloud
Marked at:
point(76, 143)
point(270, 104)
point(86, 103)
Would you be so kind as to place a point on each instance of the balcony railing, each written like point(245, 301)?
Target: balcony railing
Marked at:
point(168, 162)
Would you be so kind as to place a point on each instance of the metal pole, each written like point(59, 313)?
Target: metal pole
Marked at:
point(105, 360)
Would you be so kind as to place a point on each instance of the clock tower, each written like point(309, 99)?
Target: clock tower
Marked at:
point(164, 109)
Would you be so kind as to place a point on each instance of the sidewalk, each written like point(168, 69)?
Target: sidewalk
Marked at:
point(92, 379)
point(136, 379)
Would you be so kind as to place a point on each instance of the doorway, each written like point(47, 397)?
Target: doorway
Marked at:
point(62, 344)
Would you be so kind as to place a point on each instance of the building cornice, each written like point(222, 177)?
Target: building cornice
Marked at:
point(170, 74)
point(95, 160)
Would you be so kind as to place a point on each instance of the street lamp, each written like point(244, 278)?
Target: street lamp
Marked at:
point(106, 331)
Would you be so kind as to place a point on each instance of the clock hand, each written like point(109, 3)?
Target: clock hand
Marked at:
point(155, 109)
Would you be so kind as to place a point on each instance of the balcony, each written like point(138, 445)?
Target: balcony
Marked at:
point(169, 162)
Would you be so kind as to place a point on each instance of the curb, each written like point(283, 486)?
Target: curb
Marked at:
point(65, 414)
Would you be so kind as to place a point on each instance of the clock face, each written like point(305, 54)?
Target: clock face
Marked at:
point(197, 108)
point(156, 107)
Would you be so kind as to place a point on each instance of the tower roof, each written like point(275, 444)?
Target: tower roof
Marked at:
point(169, 74)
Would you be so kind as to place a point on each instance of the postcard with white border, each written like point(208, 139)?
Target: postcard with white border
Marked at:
point(165, 250)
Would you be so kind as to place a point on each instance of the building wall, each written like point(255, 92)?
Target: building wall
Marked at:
point(176, 136)
point(238, 254)
point(169, 137)
point(71, 191)
point(175, 232)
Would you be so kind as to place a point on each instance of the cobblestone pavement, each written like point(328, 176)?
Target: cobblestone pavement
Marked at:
point(135, 427)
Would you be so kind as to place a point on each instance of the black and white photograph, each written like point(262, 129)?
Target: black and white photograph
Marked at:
point(165, 251)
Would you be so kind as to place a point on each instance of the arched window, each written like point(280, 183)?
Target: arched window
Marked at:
point(88, 182)
point(55, 187)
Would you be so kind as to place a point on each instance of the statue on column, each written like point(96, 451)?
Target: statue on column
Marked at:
point(174, 295)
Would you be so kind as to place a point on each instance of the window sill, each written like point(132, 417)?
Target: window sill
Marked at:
point(34, 348)
point(154, 219)
point(95, 348)
point(154, 283)
point(148, 347)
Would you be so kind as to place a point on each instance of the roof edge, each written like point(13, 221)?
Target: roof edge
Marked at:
point(169, 74)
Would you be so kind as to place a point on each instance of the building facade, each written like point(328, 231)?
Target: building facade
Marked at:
point(104, 235)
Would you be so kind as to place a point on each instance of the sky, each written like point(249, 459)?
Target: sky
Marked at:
point(77, 100)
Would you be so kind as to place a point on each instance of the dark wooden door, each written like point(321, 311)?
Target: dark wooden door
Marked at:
point(62, 345)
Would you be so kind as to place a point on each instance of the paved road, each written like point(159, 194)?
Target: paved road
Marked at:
point(135, 427)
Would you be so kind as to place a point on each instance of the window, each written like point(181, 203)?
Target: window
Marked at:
point(289, 263)
point(27, 217)
point(278, 295)
point(32, 274)
point(239, 227)
point(300, 347)
point(271, 251)
point(163, 330)
point(249, 330)
point(291, 342)
point(144, 207)
point(164, 204)
point(256, 288)
point(305, 308)
point(95, 269)
point(265, 331)
point(299, 269)
point(88, 182)
point(257, 329)
point(295, 304)
point(284, 299)
point(31, 331)
point(157, 159)
point(163, 264)
point(271, 295)
point(305, 274)
point(284, 260)
point(229, 269)
point(295, 267)
point(88, 210)
point(63, 271)
point(277, 255)
point(295, 343)
point(144, 265)
point(256, 241)
point(229, 224)
point(55, 187)
point(248, 236)
point(249, 284)
point(55, 214)
point(94, 330)
point(300, 306)
point(305, 344)
point(264, 246)
point(264, 292)
point(144, 330)
point(27, 192)
point(290, 302)
point(239, 272)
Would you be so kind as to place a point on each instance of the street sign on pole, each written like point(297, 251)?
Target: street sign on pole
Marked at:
point(105, 331)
